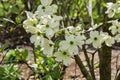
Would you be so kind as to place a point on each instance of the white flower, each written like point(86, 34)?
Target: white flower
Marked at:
point(81, 35)
point(109, 4)
point(48, 30)
point(70, 44)
point(30, 23)
point(115, 27)
point(95, 39)
point(45, 19)
point(80, 40)
point(36, 39)
point(107, 39)
point(118, 9)
point(117, 37)
point(112, 9)
point(40, 11)
point(45, 8)
point(63, 56)
point(51, 9)
point(50, 25)
point(46, 2)
point(47, 47)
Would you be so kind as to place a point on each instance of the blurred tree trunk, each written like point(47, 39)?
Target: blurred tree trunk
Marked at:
point(105, 52)
point(105, 63)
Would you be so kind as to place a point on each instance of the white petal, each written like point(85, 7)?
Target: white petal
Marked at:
point(109, 4)
point(49, 33)
point(117, 37)
point(97, 45)
point(73, 50)
point(94, 34)
point(111, 14)
point(89, 41)
point(110, 41)
point(46, 2)
point(67, 61)
point(63, 45)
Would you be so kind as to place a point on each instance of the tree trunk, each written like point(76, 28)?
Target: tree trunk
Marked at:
point(105, 52)
point(105, 63)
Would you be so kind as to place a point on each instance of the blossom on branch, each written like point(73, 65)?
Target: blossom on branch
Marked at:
point(95, 39)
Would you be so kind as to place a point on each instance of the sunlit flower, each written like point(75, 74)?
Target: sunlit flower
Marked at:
point(81, 35)
point(117, 37)
point(36, 39)
point(115, 27)
point(107, 38)
point(46, 2)
point(70, 44)
point(30, 23)
point(95, 39)
point(50, 25)
point(118, 8)
point(47, 47)
point(46, 8)
point(63, 56)
point(112, 8)
point(109, 41)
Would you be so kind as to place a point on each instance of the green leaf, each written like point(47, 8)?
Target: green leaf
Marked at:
point(8, 20)
point(1, 70)
point(48, 77)
point(18, 19)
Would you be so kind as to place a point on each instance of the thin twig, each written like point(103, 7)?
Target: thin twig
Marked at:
point(91, 68)
point(82, 68)
point(3, 57)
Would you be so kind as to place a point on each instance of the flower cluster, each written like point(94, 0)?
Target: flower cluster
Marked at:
point(44, 24)
point(113, 8)
point(97, 38)
point(115, 29)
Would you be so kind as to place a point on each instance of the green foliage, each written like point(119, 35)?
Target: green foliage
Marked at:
point(17, 55)
point(47, 66)
point(9, 72)
point(11, 7)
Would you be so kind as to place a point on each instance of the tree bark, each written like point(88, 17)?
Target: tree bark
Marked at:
point(105, 52)
point(105, 63)
point(82, 68)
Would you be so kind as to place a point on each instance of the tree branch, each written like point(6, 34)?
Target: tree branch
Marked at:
point(82, 68)
point(90, 66)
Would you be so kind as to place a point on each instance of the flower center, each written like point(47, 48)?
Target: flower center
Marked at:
point(95, 38)
point(38, 33)
point(112, 10)
point(71, 42)
point(50, 45)
point(64, 53)
point(117, 27)
point(43, 7)
point(81, 34)
point(47, 26)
